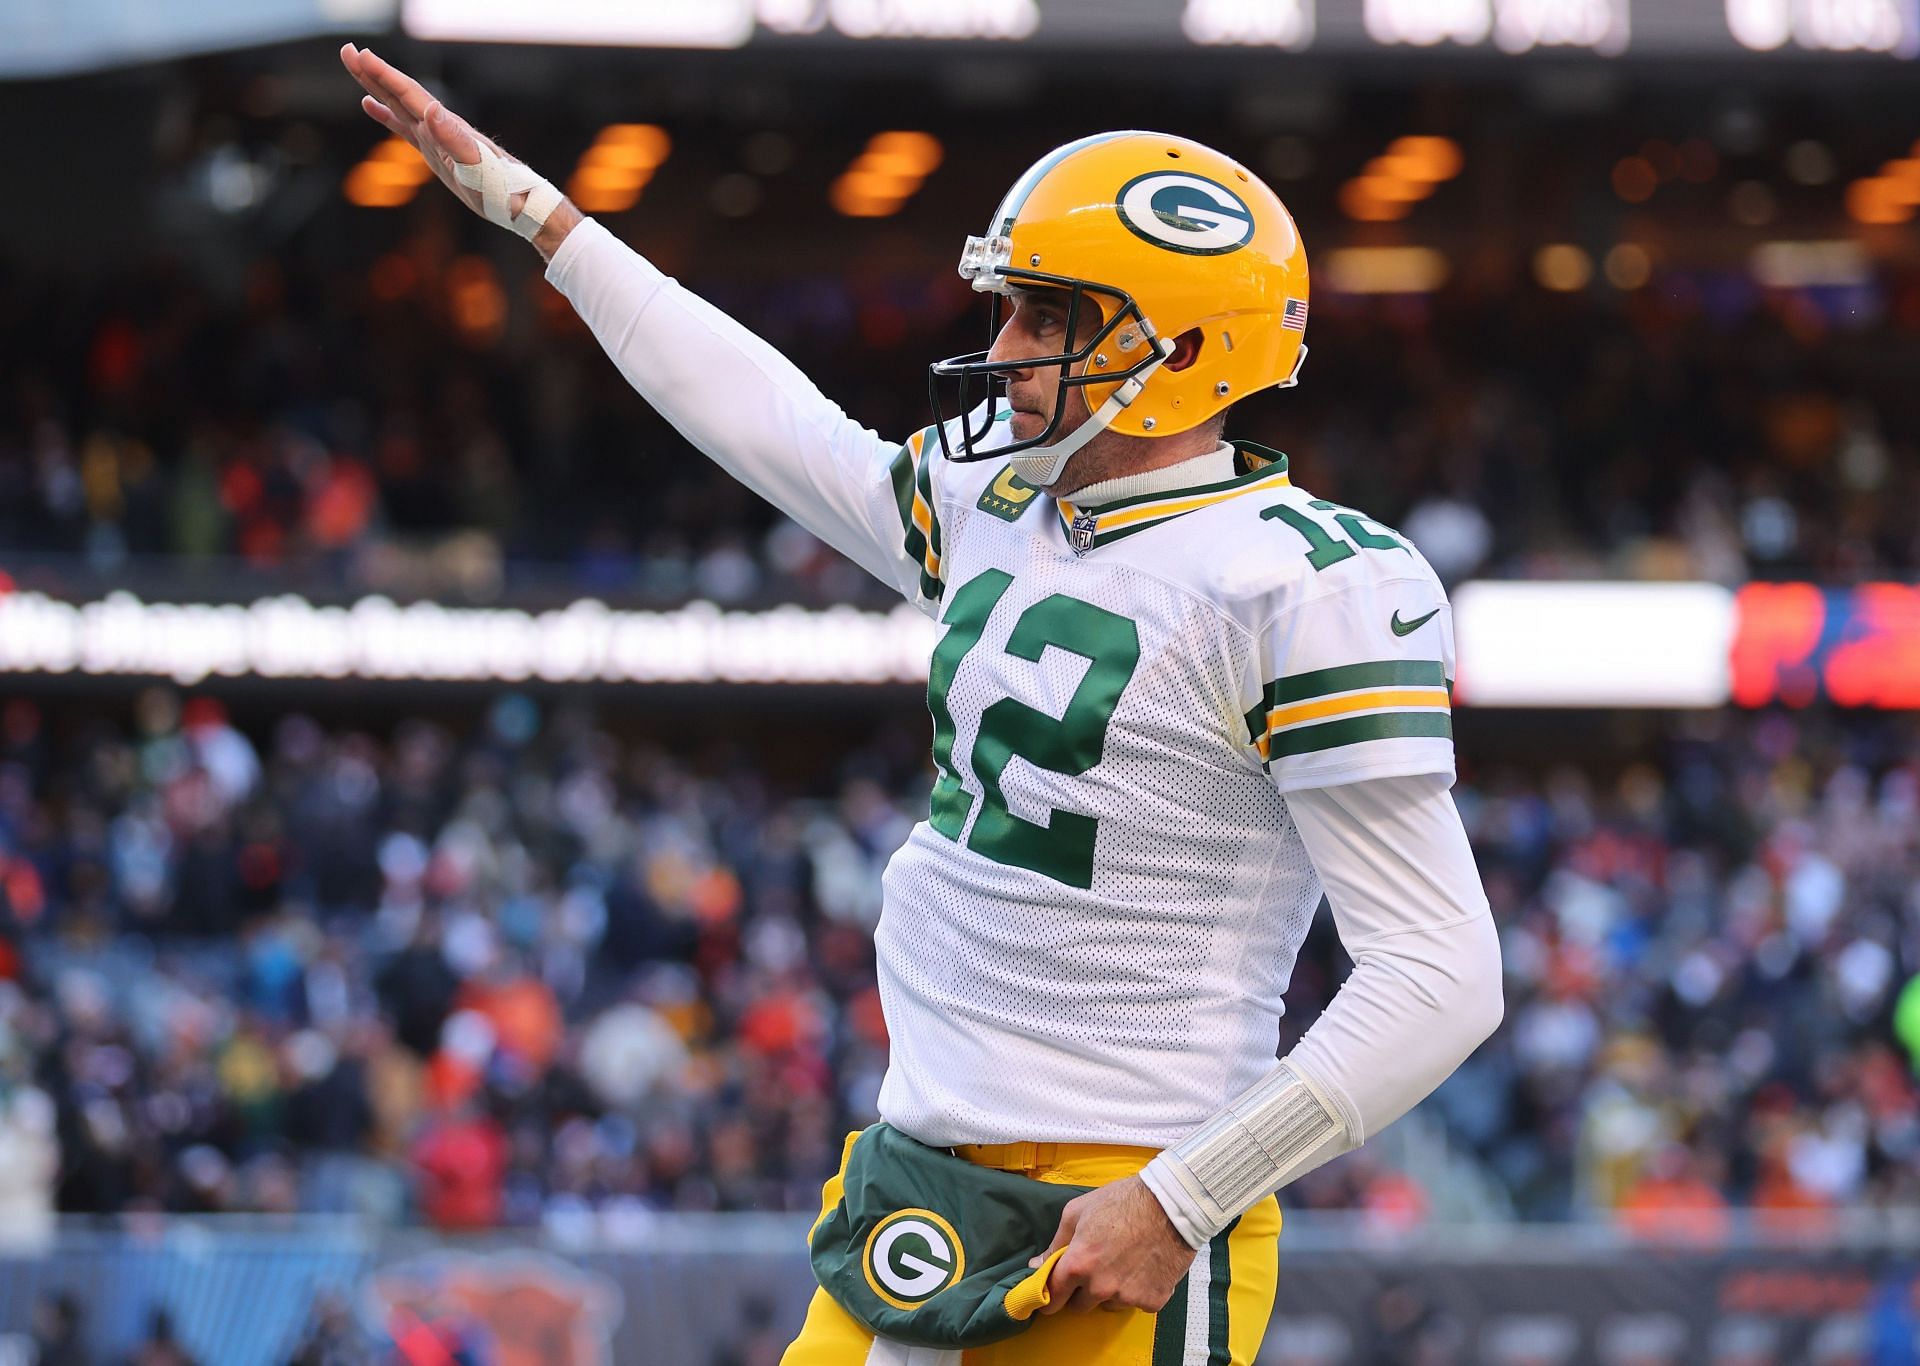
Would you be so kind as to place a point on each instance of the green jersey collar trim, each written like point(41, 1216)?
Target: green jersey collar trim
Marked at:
point(1123, 517)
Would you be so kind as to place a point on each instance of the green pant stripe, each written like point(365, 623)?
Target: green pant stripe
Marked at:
point(1347, 677)
point(1170, 1329)
point(1354, 730)
point(1219, 1350)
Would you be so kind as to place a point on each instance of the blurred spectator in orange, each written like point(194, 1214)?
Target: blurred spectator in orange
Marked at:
point(1672, 1200)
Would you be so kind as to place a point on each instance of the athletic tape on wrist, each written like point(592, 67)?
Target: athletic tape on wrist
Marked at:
point(498, 180)
point(1275, 1130)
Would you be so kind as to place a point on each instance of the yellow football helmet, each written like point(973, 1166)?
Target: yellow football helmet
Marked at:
point(1163, 236)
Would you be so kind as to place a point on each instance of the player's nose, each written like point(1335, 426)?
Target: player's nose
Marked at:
point(1010, 343)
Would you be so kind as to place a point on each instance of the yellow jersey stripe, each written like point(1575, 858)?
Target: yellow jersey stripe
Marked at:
point(1148, 511)
point(1374, 700)
point(1123, 518)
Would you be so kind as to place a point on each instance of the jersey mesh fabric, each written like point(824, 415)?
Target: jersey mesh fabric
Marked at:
point(1024, 1008)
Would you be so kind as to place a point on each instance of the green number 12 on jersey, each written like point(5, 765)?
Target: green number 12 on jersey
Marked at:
point(1323, 547)
point(1071, 744)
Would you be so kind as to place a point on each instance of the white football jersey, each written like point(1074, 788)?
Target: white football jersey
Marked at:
point(1089, 937)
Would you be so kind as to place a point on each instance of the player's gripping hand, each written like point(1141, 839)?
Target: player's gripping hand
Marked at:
point(402, 106)
point(1122, 1252)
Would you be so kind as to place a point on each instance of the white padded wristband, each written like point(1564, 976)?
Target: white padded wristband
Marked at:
point(1277, 1129)
point(498, 180)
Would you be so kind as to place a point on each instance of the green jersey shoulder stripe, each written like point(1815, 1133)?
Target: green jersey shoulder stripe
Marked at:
point(1353, 730)
point(1349, 704)
point(912, 477)
point(1386, 673)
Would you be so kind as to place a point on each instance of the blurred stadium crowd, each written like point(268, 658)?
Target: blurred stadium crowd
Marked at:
point(440, 424)
point(528, 969)
point(528, 972)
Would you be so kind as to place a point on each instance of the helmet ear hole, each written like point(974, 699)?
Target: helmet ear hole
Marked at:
point(1186, 349)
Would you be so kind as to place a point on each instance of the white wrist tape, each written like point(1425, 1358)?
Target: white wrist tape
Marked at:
point(498, 180)
point(1277, 1129)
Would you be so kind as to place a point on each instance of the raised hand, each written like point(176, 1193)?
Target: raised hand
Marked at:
point(401, 105)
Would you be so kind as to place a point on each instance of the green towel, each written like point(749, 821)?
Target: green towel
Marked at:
point(927, 1249)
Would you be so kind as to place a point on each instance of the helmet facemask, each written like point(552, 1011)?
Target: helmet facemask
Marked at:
point(1124, 330)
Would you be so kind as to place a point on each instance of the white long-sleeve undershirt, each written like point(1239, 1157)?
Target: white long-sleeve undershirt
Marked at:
point(1425, 989)
point(740, 402)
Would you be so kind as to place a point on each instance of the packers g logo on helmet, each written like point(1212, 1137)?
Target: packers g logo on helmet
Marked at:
point(1185, 213)
point(911, 1256)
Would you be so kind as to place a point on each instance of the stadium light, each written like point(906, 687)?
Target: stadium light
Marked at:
point(1390, 185)
point(1879, 200)
point(1562, 267)
point(1393, 189)
point(1433, 158)
point(1805, 265)
point(390, 174)
point(888, 173)
point(648, 142)
point(1593, 644)
point(850, 198)
point(921, 151)
point(1386, 270)
point(1413, 170)
point(618, 166)
point(1905, 170)
point(1360, 202)
point(614, 157)
point(365, 189)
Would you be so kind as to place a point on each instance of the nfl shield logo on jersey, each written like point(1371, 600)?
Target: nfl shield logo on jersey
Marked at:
point(1083, 528)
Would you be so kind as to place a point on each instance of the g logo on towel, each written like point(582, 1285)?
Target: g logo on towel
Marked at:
point(912, 1255)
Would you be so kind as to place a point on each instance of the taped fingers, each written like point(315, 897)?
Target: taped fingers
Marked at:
point(497, 180)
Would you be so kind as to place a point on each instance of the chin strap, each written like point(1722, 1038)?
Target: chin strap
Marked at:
point(498, 180)
point(1042, 465)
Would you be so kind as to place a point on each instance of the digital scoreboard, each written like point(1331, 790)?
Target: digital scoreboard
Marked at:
point(1602, 28)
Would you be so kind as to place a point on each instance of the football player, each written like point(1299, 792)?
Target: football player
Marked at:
point(1176, 699)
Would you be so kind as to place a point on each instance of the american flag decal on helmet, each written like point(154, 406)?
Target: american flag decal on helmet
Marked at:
point(1296, 315)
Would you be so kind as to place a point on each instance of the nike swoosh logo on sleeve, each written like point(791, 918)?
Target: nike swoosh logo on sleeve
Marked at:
point(1407, 628)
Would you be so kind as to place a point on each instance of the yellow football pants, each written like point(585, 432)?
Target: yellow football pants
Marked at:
point(1216, 1318)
